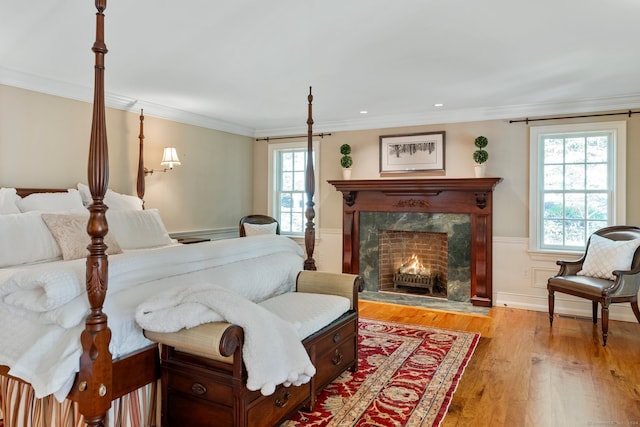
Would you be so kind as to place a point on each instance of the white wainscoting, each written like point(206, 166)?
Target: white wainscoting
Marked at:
point(328, 249)
point(520, 281)
point(519, 277)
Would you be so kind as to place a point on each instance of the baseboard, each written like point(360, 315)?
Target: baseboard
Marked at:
point(563, 305)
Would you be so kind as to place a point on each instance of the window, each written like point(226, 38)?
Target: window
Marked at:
point(287, 198)
point(577, 183)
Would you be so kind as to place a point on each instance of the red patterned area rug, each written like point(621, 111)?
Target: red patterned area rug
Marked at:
point(407, 375)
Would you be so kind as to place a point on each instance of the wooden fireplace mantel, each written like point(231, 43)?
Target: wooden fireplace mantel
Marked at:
point(473, 196)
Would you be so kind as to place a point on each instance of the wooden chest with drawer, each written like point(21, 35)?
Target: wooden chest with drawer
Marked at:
point(198, 391)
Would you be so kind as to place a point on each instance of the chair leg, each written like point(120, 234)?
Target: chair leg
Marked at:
point(551, 307)
point(634, 307)
point(594, 310)
point(605, 323)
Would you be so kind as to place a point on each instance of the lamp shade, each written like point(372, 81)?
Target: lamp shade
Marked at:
point(170, 157)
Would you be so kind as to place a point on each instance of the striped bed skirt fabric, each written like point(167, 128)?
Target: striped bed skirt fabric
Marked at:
point(20, 408)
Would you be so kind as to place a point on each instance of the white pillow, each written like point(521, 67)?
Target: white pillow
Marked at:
point(117, 201)
point(26, 239)
point(70, 232)
point(606, 255)
point(85, 194)
point(138, 229)
point(114, 201)
point(53, 202)
point(257, 229)
point(8, 200)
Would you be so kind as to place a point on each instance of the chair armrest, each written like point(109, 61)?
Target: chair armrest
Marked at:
point(322, 282)
point(569, 268)
point(627, 283)
point(215, 340)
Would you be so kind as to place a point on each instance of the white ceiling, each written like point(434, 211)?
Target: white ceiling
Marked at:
point(245, 66)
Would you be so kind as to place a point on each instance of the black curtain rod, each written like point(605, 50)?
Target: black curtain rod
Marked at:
point(321, 135)
point(527, 120)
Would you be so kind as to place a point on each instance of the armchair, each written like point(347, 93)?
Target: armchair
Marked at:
point(608, 272)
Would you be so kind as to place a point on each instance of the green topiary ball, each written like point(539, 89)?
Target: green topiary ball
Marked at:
point(480, 156)
point(346, 161)
point(345, 149)
point(481, 142)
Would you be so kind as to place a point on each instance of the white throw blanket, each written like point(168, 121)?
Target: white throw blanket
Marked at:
point(272, 351)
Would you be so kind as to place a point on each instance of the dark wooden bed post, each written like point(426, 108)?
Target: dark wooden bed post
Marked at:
point(94, 381)
point(310, 232)
point(140, 181)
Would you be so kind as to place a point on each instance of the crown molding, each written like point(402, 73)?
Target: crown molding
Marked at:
point(586, 106)
point(83, 93)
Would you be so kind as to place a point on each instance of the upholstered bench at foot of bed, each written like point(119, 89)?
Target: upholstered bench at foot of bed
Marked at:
point(203, 377)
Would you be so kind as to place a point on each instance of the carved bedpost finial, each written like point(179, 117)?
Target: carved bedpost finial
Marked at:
point(310, 184)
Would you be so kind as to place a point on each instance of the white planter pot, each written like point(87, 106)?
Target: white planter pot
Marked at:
point(480, 170)
point(346, 173)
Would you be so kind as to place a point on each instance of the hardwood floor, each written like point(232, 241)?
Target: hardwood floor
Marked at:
point(524, 373)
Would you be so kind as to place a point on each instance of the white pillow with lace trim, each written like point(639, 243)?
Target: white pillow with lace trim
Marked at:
point(606, 255)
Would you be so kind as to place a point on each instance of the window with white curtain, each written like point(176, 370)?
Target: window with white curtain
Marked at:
point(287, 197)
point(577, 183)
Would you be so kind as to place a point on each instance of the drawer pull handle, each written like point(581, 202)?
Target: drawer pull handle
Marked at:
point(337, 358)
point(281, 403)
point(198, 389)
point(336, 337)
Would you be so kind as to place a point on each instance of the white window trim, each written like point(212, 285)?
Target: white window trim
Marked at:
point(271, 181)
point(619, 129)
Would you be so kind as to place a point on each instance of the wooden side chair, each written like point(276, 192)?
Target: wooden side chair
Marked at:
point(258, 224)
point(608, 272)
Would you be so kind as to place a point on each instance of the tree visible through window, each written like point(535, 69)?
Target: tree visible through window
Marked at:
point(576, 187)
point(574, 182)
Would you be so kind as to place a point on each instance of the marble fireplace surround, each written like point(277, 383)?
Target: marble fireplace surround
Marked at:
point(457, 227)
point(472, 196)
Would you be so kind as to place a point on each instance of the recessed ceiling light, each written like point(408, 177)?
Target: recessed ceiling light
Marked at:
point(364, 112)
point(438, 105)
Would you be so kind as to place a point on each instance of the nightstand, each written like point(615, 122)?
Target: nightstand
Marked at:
point(189, 240)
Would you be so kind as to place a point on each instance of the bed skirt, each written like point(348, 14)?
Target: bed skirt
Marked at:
point(20, 408)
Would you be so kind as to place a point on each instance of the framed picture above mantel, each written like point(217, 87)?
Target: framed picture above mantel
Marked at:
point(412, 152)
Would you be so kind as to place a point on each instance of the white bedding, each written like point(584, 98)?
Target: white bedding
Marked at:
point(42, 320)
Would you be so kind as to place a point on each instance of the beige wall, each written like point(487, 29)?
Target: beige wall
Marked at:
point(519, 276)
point(44, 143)
point(508, 158)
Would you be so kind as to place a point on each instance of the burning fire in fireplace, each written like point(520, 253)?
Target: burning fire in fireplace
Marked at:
point(413, 266)
point(414, 274)
point(413, 262)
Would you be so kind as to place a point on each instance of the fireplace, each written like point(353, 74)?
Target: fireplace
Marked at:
point(460, 207)
point(454, 229)
point(413, 262)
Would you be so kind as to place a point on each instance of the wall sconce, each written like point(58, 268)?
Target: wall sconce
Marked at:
point(169, 158)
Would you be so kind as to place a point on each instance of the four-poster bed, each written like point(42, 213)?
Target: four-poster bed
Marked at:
point(103, 379)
